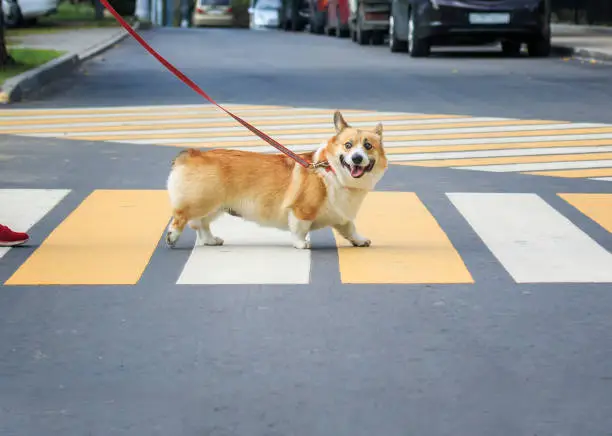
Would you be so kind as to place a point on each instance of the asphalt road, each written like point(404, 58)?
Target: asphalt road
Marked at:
point(498, 354)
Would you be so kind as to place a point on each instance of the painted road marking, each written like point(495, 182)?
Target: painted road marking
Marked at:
point(534, 242)
point(271, 124)
point(542, 166)
point(319, 130)
point(107, 240)
point(413, 139)
point(491, 161)
point(21, 209)
point(316, 135)
point(588, 173)
point(408, 245)
point(598, 207)
point(427, 159)
point(250, 255)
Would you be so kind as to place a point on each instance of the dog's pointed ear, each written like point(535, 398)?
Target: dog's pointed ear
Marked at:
point(378, 129)
point(339, 122)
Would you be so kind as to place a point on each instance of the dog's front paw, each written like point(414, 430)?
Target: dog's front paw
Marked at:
point(361, 242)
point(302, 244)
point(171, 238)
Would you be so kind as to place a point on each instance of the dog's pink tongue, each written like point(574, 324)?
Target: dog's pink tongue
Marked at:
point(357, 171)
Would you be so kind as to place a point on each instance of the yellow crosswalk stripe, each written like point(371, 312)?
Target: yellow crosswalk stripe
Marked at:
point(493, 146)
point(598, 207)
point(573, 174)
point(107, 240)
point(511, 160)
point(408, 245)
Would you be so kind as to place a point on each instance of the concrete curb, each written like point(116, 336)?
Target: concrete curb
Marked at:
point(30, 83)
point(564, 50)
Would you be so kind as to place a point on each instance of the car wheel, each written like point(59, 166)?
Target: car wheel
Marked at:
point(378, 37)
point(539, 47)
point(395, 45)
point(417, 47)
point(511, 48)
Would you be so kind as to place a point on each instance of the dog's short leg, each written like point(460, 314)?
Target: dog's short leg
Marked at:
point(175, 228)
point(203, 234)
point(349, 232)
point(299, 230)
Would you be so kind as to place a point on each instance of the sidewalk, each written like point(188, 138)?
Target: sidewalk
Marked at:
point(78, 45)
point(593, 42)
point(73, 41)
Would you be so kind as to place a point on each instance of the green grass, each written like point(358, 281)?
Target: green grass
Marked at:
point(26, 59)
point(81, 15)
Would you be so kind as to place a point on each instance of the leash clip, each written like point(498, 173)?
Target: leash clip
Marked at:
point(320, 164)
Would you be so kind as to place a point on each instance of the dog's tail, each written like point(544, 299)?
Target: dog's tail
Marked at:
point(183, 156)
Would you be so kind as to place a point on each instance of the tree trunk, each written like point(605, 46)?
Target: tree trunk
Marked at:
point(5, 59)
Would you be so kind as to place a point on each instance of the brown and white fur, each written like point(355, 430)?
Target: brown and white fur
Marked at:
point(274, 190)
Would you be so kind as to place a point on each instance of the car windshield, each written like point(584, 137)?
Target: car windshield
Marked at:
point(267, 4)
point(214, 2)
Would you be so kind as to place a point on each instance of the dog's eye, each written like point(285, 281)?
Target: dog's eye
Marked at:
point(367, 145)
point(348, 145)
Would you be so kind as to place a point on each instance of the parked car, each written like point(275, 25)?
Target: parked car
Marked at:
point(294, 15)
point(263, 14)
point(213, 13)
point(19, 12)
point(317, 16)
point(337, 18)
point(369, 21)
point(417, 25)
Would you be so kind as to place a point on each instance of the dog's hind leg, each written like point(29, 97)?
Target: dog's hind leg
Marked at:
point(299, 231)
point(175, 228)
point(349, 232)
point(202, 227)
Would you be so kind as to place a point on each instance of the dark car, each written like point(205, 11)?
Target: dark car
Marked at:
point(294, 15)
point(417, 25)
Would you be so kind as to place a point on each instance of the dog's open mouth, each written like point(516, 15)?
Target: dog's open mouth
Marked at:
point(357, 170)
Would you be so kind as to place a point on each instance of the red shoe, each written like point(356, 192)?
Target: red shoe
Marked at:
point(9, 238)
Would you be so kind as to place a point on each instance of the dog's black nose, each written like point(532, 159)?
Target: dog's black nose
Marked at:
point(357, 159)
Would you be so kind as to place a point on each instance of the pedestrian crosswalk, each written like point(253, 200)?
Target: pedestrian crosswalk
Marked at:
point(108, 237)
point(493, 144)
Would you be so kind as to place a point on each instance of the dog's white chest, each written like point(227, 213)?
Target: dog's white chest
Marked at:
point(342, 205)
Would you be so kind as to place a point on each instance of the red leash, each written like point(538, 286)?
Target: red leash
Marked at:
point(197, 89)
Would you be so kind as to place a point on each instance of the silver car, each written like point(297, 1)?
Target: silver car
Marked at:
point(264, 14)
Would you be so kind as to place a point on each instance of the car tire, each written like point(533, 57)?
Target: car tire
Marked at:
point(417, 47)
point(511, 48)
point(395, 45)
point(540, 47)
point(378, 37)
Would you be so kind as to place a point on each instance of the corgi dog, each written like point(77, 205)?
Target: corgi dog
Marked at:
point(275, 191)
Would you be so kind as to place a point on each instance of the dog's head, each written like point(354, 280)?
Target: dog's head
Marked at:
point(357, 156)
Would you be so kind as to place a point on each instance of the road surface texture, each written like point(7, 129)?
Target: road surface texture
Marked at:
point(482, 307)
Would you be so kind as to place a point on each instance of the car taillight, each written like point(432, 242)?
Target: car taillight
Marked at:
point(201, 11)
point(229, 10)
